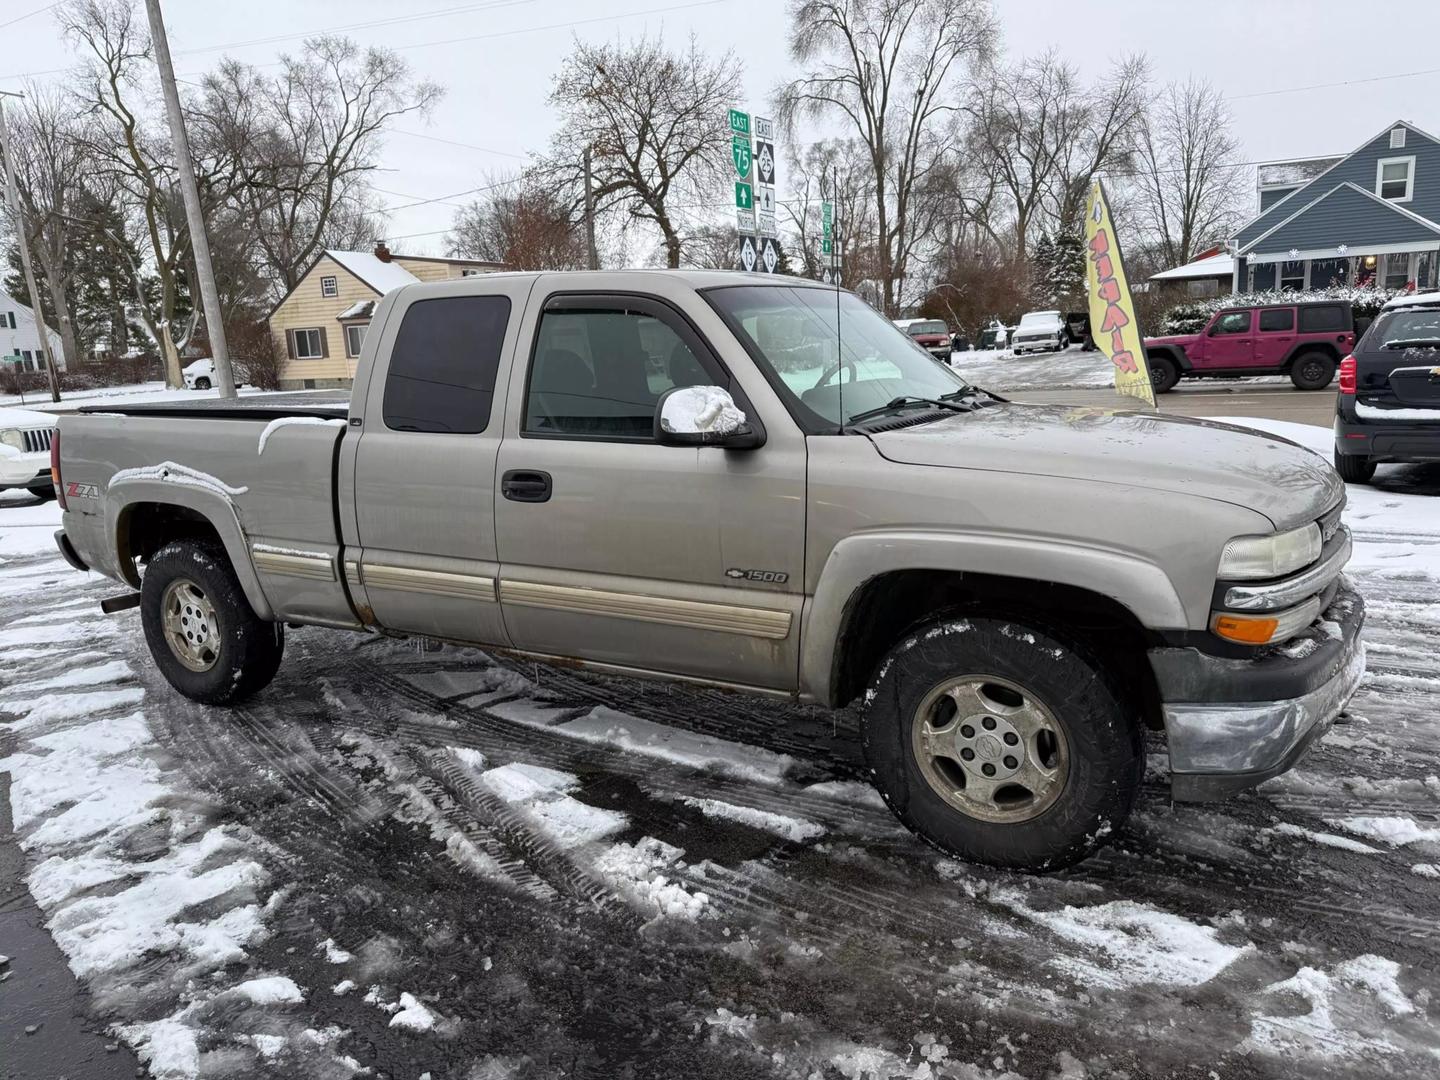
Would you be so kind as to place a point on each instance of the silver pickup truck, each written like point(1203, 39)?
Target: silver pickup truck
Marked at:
point(755, 483)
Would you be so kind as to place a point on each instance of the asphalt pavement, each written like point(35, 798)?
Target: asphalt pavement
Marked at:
point(1275, 401)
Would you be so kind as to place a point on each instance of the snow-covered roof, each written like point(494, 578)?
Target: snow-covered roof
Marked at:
point(361, 309)
point(1413, 299)
point(379, 275)
point(1221, 265)
point(1293, 172)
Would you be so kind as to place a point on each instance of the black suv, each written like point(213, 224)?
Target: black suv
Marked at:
point(1388, 408)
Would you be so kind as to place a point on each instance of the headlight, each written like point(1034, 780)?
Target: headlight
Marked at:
point(1255, 558)
point(13, 437)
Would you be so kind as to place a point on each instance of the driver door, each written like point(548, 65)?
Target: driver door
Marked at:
point(613, 547)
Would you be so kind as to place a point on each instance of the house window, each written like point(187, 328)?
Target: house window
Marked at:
point(354, 338)
point(1397, 138)
point(7, 319)
point(470, 271)
point(329, 286)
point(1395, 178)
point(1292, 275)
point(1397, 270)
point(308, 345)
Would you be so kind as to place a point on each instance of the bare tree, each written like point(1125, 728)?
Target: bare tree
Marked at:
point(1188, 190)
point(836, 171)
point(885, 69)
point(713, 247)
point(308, 139)
point(48, 149)
point(523, 224)
point(1044, 136)
point(654, 120)
point(139, 159)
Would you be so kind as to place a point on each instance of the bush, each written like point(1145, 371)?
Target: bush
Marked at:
point(1191, 316)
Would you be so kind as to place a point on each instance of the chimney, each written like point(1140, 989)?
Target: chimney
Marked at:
point(381, 251)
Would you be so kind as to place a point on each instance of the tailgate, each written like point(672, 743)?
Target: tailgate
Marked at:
point(1417, 386)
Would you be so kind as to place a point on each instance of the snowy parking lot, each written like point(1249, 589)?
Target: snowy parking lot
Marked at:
point(404, 861)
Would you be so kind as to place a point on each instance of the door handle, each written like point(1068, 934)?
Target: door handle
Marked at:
point(526, 485)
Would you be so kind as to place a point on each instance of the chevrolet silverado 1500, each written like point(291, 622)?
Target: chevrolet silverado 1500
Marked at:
point(757, 483)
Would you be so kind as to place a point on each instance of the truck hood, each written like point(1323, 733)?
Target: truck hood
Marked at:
point(1280, 479)
point(1173, 339)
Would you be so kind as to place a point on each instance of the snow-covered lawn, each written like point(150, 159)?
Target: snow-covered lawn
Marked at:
point(418, 861)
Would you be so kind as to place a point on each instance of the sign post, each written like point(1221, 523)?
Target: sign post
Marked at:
point(1113, 325)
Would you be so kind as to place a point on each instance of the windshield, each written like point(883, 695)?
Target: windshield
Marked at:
point(928, 326)
point(791, 333)
point(1040, 318)
point(1396, 331)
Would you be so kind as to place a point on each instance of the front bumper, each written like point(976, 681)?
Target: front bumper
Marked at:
point(26, 471)
point(1043, 345)
point(1232, 723)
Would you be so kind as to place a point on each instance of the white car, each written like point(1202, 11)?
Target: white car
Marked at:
point(25, 438)
point(1041, 331)
point(200, 374)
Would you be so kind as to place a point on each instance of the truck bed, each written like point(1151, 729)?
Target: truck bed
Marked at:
point(326, 405)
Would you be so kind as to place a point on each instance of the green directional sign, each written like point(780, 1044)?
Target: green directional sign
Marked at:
point(740, 154)
point(744, 196)
point(739, 122)
point(827, 228)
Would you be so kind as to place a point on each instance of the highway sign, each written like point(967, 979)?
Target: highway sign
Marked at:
point(765, 162)
point(765, 129)
point(744, 197)
point(827, 228)
point(748, 254)
point(765, 198)
point(740, 122)
point(745, 222)
point(830, 277)
point(766, 224)
point(769, 254)
point(740, 155)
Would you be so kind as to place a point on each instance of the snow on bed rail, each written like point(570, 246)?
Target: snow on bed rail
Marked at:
point(294, 421)
point(171, 472)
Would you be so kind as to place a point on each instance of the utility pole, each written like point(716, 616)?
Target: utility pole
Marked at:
point(22, 238)
point(594, 262)
point(194, 216)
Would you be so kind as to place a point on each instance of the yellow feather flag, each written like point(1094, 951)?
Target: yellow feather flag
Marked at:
point(1112, 309)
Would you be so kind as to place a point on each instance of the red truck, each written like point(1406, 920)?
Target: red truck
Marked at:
point(1305, 340)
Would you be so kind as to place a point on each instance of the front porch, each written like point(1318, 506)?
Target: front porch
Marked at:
point(1415, 266)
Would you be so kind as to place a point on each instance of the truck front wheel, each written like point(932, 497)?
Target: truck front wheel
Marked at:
point(999, 742)
point(205, 638)
point(1164, 372)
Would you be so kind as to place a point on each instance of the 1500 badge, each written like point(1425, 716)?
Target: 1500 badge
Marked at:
point(772, 577)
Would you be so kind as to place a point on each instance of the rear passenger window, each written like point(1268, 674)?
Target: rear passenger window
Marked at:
point(442, 368)
point(1322, 319)
point(1277, 319)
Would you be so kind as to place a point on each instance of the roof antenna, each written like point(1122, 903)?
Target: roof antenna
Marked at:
point(835, 277)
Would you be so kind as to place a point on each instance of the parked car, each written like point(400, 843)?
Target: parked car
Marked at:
point(959, 342)
point(1077, 324)
point(1304, 340)
point(25, 451)
point(1040, 331)
point(994, 336)
point(509, 474)
point(1388, 408)
point(200, 374)
point(932, 335)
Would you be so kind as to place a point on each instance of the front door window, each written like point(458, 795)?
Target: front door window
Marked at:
point(1397, 271)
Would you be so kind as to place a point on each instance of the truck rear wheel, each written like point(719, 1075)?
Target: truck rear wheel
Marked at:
point(1164, 372)
point(1001, 743)
point(1312, 371)
point(205, 638)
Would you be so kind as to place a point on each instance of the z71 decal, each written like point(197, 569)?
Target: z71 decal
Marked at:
point(81, 491)
point(770, 577)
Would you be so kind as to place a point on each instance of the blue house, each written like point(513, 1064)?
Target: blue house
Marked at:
point(1370, 217)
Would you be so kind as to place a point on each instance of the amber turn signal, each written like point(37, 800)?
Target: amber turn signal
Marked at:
point(1245, 629)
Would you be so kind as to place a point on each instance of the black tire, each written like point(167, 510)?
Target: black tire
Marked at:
point(1102, 736)
point(202, 383)
point(44, 493)
point(1164, 372)
point(246, 649)
point(1354, 468)
point(1312, 371)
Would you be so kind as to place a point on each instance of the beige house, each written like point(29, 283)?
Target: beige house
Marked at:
point(320, 324)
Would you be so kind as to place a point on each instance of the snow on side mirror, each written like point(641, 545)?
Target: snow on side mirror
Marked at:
point(702, 416)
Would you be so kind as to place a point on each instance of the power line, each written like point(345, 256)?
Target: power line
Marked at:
point(455, 142)
point(28, 14)
point(1331, 85)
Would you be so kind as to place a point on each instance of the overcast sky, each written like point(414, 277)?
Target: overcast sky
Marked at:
point(496, 60)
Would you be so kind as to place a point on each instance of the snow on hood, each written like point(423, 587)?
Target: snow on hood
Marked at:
point(1287, 483)
point(25, 418)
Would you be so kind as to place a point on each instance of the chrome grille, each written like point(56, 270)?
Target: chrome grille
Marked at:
point(37, 440)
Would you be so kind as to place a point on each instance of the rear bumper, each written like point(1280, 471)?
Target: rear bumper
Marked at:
point(1233, 723)
point(1386, 440)
point(67, 550)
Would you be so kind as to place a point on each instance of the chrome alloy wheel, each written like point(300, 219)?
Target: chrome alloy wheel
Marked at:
point(191, 629)
point(990, 748)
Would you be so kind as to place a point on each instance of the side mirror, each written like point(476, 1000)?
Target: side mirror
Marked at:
point(702, 416)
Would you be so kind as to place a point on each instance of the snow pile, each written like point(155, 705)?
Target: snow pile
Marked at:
point(1395, 831)
point(540, 793)
point(1132, 944)
point(635, 871)
point(602, 725)
point(1340, 1021)
point(412, 1014)
point(1344, 843)
point(790, 828)
point(270, 990)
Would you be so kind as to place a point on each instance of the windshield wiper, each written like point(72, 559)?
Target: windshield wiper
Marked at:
point(1413, 343)
point(905, 402)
